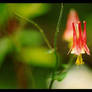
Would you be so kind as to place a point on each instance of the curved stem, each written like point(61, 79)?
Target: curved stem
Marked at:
point(38, 27)
point(55, 44)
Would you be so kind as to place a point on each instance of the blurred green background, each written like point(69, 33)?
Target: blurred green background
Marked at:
point(26, 61)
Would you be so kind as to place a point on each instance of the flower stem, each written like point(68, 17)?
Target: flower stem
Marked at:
point(55, 45)
point(38, 27)
point(69, 64)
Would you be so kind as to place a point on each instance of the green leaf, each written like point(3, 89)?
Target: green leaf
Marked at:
point(29, 10)
point(60, 76)
point(64, 65)
point(3, 13)
point(38, 57)
point(28, 38)
point(5, 47)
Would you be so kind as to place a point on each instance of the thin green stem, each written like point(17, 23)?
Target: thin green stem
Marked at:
point(65, 69)
point(51, 83)
point(56, 34)
point(38, 27)
point(41, 31)
point(69, 64)
point(55, 44)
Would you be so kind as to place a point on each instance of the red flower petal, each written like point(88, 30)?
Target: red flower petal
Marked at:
point(74, 35)
point(86, 49)
point(84, 33)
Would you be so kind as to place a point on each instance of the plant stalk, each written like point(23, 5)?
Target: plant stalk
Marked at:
point(38, 27)
point(55, 45)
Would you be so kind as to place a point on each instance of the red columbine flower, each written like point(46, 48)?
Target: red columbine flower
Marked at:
point(72, 17)
point(79, 46)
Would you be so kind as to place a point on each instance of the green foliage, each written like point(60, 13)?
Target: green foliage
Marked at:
point(5, 48)
point(64, 65)
point(38, 77)
point(31, 10)
point(3, 13)
point(8, 78)
point(60, 76)
point(38, 57)
point(28, 38)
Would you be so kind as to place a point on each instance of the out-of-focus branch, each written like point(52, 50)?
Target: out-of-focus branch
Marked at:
point(38, 27)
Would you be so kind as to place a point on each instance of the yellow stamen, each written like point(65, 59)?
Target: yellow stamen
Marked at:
point(79, 60)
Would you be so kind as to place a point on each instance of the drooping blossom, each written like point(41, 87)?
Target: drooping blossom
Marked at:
point(72, 17)
point(79, 46)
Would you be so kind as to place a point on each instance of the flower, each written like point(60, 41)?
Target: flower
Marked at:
point(79, 46)
point(72, 17)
